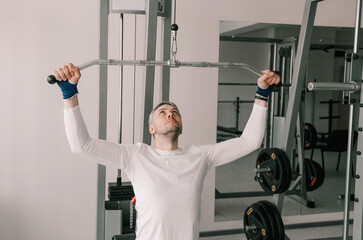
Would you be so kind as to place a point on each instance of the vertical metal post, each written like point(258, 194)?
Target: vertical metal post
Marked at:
point(283, 80)
point(358, 193)
point(354, 100)
point(297, 82)
point(347, 66)
point(270, 110)
point(151, 26)
point(166, 52)
point(101, 191)
point(102, 125)
point(330, 125)
point(300, 147)
point(121, 73)
point(237, 114)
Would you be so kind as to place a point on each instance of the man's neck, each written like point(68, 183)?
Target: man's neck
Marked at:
point(165, 144)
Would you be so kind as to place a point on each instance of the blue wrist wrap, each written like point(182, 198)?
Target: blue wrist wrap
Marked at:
point(68, 89)
point(265, 92)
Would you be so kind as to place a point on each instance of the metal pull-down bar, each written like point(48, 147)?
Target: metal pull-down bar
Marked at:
point(171, 64)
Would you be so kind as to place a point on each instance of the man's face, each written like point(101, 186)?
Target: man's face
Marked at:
point(166, 120)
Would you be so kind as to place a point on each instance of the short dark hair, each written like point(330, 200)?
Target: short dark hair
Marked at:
point(159, 105)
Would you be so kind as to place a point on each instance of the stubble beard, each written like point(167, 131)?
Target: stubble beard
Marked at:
point(173, 133)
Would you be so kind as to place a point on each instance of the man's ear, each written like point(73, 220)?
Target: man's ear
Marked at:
point(151, 129)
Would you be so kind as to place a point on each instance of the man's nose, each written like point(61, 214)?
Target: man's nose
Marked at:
point(170, 114)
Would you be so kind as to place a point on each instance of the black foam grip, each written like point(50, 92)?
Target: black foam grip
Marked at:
point(51, 79)
point(174, 27)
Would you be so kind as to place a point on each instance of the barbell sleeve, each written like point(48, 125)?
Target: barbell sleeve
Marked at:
point(263, 170)
point(251, 228)
point(333, 86)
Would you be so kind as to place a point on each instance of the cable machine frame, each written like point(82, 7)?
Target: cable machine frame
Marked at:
point(291, 114)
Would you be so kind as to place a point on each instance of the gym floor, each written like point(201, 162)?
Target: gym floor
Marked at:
point(239, 177)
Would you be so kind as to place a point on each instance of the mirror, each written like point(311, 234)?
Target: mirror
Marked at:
point(273, 46)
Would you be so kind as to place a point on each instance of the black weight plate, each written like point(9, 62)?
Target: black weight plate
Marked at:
point(264, 179)
point(310, 136)
point(271, 219)
point(257, 217)
point(270, 182)
point(279, 222)
point(286, 166)
point(264, 215)
point(288, 173)
point(250, 219)
point(311, 178)
point(319, 174)
point(309, 174)
point(283, 170)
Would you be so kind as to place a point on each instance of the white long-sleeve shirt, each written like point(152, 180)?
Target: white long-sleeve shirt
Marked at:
point(167, 184)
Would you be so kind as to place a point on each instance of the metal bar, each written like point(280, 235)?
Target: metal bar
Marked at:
point(263, 170)
point(166, 52)
point(219, 65)
point(101, 191)
point(252, 227)
point(219, 195)
point(358, 18)
point(102, 123)
point(297, 82)
point(121, 62)
point(121, 73)
point(103, 54)
point(151, 29)
point(353, 124)
point(283, 81)
point(354, 99)
point(248, 84)
point(237, 114)
point(329, 101)
point(173, 64)
point(358, 193)
point(271, 104)
point(333, 117)
point(237, 84)
point(249, 39)
point(347, 66)
point(330, 119)
point(240, 101)
point(333, 86)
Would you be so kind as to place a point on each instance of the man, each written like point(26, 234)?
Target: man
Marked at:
point(167, 180)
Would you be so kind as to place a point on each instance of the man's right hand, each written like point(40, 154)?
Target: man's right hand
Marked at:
point(68, 72)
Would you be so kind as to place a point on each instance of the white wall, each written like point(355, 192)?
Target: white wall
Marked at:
point(45, 191)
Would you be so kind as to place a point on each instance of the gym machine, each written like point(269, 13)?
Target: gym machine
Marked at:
point(109, 213)
point(152, 11)
point(352, 95)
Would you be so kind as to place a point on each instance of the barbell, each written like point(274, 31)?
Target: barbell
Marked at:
point(172, 64)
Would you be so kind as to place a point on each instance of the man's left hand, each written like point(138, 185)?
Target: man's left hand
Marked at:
point(268, 78)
